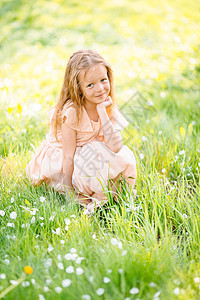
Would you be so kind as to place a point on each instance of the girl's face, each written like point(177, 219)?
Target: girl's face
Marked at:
point(95, 84)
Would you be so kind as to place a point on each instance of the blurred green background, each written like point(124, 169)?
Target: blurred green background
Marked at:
point(153, 48)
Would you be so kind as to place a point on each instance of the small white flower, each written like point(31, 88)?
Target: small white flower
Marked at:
point(57, 231)
point(100, 291)
point(109, 271)
point(91, 278)
point(47, 263)
point(42, 199)
point(152, 75)
point(152, 284)
point(2, 276)
point(41, 297)
point(33, 211)
point(106, 279)
point(72, 250)
point(70, 256)
point(94, 236)
point(177, 281)
point(62, 242)
point(79, 271)
point(50, 248)
point(61, 266)
point(33, 281)
point(163, 170)
point(13, 215)
point(114, 241)
point(185, 216)
point(58, 289)
point(181, 152)
point(160, 132)
point(79, 259)
point(25, 283)
point(41, 224)
point(86, 297)
point(46, 289)
point(2, 213)
point(7, 261)
point(157, 294)
point(163, 94)
point(66, 227)
point(120, 271)
point(176, 291)
point(73, 216)
point(41, 218)
point(67, 221)
point(48, 281)
point(70, 269)
point(14, 282)
point(144, 139)
point(124, 252)
point(59, 257)
point(197, 279)
point(33, 220)
point(51, 218)
point(66, 282)
point(12, 200)
point(134, 291)
point(119, 245)
point(141, 155)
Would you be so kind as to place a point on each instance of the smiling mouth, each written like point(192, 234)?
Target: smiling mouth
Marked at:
point(100, 95)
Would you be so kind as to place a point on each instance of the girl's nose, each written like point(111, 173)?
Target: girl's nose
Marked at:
point(99, 88)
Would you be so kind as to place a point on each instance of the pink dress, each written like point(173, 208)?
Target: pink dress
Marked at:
point(93, 160)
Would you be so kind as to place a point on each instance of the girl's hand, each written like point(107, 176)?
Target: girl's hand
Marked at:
point(105, 104)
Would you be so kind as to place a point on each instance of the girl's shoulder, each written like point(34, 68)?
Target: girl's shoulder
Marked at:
point(68, 109)
point(69, 115)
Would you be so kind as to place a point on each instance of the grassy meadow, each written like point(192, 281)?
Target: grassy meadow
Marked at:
point(142, 248)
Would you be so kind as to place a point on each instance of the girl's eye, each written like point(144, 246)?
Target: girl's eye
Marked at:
point(103, 79)
point(90, 85)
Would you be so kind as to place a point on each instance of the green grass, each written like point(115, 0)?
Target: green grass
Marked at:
point(150, 243)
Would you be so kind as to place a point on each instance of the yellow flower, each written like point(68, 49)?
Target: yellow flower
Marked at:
point(190, 128)
point(151, 130)
point(182, 131)
point(28, 270)
point(10, 109)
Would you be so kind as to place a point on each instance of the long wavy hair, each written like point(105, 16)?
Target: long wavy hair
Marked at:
point(71, 91)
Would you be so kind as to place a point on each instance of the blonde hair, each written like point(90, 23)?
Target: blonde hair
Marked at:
point(71, 91)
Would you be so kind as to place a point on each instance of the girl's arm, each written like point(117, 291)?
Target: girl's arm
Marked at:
point(112, 137)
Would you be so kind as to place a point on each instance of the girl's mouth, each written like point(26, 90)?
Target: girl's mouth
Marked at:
point(100, 95)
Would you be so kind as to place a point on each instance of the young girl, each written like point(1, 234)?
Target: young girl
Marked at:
point(84, 146)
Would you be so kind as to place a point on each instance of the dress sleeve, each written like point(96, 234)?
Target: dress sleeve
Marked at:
point(69, 115)
point(118, 120)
